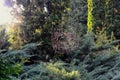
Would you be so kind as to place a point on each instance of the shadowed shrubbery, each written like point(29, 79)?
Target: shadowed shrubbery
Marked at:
point(96, 67)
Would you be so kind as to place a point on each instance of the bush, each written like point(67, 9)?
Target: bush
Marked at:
point(8, 68)
point(51, 71)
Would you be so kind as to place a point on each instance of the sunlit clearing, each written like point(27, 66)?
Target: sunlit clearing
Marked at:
point(5, 16)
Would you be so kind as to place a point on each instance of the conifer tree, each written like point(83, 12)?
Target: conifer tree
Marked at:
point(39, 24)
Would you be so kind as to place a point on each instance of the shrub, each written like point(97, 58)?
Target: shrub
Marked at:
point(51, 71)
point(8, 68)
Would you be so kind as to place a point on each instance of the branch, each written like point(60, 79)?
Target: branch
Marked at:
point(3, 51)
point(106, 46)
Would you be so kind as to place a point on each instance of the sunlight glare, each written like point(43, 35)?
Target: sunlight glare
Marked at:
point(5, 16)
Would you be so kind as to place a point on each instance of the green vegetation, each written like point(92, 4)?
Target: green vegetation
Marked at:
point(61, 40)
point(90, 15)
point(8, 67)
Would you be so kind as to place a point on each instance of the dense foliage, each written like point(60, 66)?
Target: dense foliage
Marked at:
point(8, 67)
point(61, 40)
point(106, 16)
